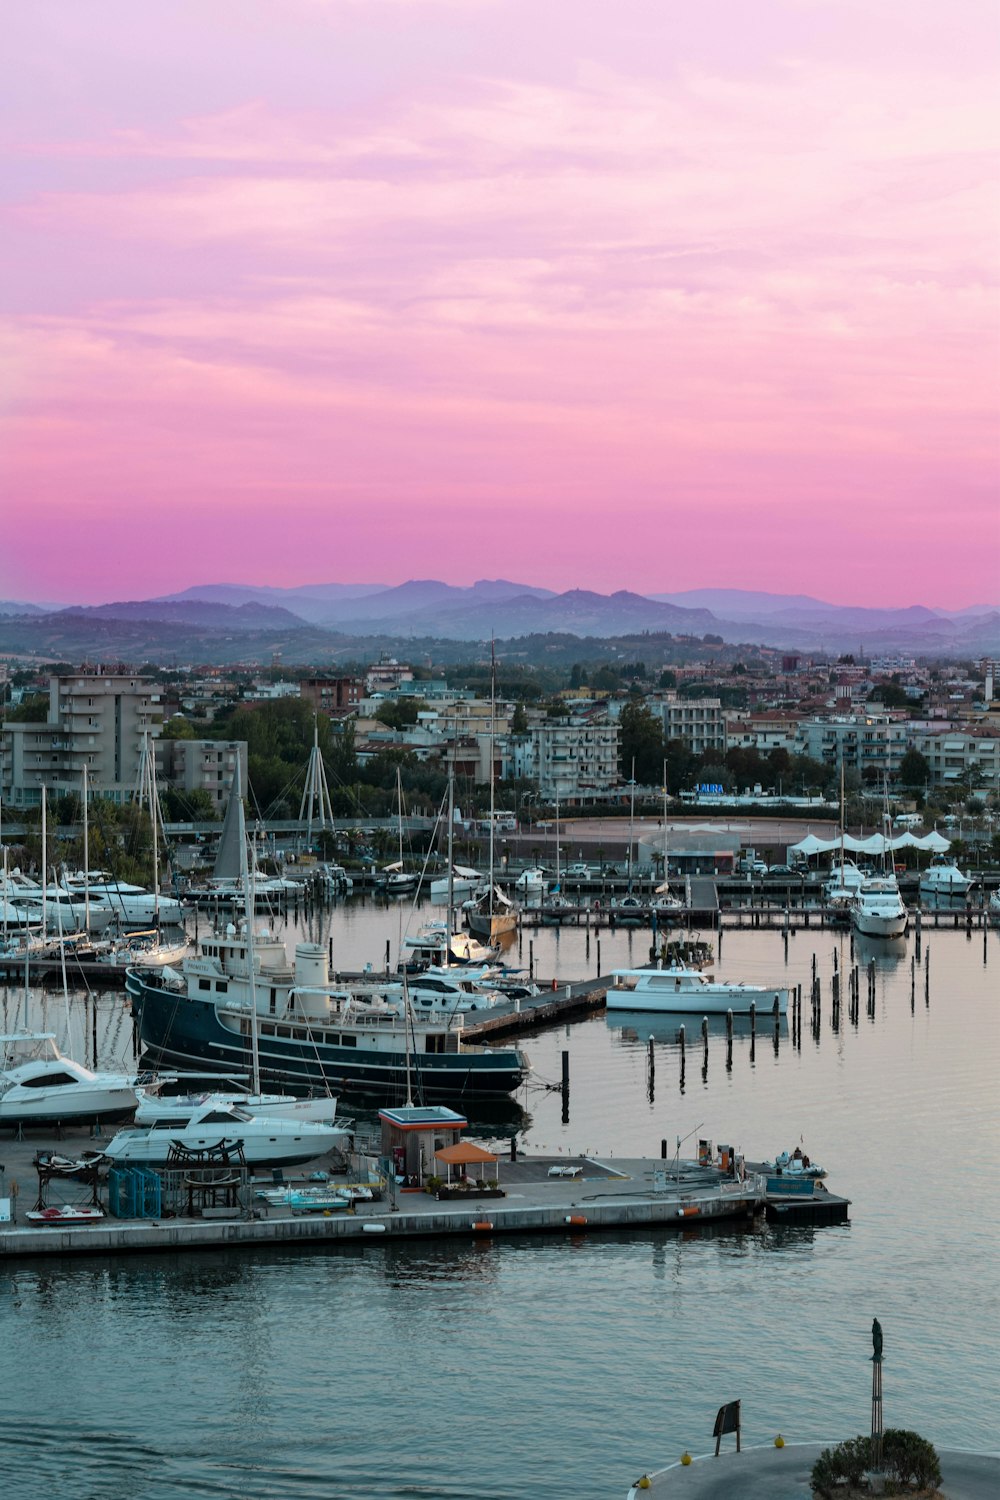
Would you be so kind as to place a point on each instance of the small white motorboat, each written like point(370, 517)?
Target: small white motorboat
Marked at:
point(39, 1086)
point(681, 991)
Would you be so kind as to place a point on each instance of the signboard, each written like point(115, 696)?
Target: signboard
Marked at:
point(711, 788)
point(727, 1420)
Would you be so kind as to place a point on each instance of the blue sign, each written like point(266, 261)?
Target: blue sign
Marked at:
point(711, 788)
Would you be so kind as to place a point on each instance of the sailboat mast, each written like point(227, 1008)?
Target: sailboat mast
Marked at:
point(45, 867)
point(247, 869)
point(86, 853)
point(450, 924)
point(493, 732)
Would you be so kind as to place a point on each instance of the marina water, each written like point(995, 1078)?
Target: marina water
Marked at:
point(500, 1369)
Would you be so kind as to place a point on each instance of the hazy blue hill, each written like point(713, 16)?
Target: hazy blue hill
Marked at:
point(192, 612)
point(741, 604)
point(14, 607)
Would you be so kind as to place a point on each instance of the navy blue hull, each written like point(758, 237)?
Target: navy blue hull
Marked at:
point(179, 1032)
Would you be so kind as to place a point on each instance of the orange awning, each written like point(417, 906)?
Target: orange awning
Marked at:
point(463, 1154)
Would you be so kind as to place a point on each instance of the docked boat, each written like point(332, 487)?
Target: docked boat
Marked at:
point(683, 990)
point(878, 910)
point(265, 1140)
point(993, 908)
point(944, 878)
point(155, 1106)
point(64, 1216)
point(462, 881)
point(39, 1086)
point(310, 1035)
point(841, 889)
point(492, 914)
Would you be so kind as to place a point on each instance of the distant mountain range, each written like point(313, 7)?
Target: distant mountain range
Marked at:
point(312, 616)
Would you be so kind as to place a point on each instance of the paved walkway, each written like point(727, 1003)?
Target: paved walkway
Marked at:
point(783, 1474)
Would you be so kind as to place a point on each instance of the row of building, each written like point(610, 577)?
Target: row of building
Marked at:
point(98, 718)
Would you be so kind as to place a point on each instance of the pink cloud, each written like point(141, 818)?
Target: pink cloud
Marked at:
point(739, 297)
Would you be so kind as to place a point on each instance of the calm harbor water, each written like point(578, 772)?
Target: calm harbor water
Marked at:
point(452, 1369)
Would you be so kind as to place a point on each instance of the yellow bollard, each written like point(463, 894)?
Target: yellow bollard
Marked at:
point(685, 1459)
point(779, 1441)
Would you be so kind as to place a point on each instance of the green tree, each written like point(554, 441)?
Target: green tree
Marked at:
point(914, 769)
point(519, 720)
point(177, 727)
point(641, 742)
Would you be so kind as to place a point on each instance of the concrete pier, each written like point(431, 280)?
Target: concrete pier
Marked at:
point(541, 1195)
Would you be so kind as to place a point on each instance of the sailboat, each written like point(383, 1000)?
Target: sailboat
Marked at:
point(667, 907)
point(842, 888)
point(556, 908)
point(400, 881)
point(629, 909)
point(492, 914)
point(228, 879)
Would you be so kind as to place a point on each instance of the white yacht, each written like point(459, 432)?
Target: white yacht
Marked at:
point(39, 1086)
point(944, 878)
point(266, 1140)
point(155, 1107)
point(690, 990)
point(878, 910)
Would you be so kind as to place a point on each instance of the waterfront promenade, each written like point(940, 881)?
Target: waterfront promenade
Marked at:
point(783, 1474)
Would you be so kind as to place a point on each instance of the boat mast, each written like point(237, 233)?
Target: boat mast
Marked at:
point(247, 869)
point(493, 731)
point(86, 854)
point(841, 825)
point(399, 800)
point(45, 868)
point(450, 923)
point(631, 824)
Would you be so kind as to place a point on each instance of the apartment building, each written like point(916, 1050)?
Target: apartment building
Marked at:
point(875, 743)
point(699, 722)
point(202, 766)
point(954, 754)
point(97, 718)
point(573, 759)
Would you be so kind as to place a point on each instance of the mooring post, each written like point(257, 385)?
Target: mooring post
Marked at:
point(729, 1041)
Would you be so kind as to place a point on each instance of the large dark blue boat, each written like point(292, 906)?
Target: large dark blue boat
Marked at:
point(311, 1035)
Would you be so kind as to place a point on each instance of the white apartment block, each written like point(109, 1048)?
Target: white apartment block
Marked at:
point(97, 718)
point(574, 760)
point(860, 742)
point(699, 722)
point(762, 732)
point(952, 753)
point(202, 766)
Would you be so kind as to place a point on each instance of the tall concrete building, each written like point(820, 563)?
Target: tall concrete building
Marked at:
point(97, 718)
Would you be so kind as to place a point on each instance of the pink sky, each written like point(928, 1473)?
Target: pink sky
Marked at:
point(606, 295)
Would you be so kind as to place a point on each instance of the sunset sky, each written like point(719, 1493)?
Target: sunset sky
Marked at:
point(585, 293)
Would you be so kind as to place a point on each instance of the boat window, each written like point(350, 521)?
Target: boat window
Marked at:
point(349, 1041)
point(204, 984)
point(45, 1080)
point(283, 1031)
point(218, 1117)
point(267, 1030)
point(222, 987)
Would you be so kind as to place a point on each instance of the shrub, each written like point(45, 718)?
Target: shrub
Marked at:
point(909, 1458)
point(847, 1463)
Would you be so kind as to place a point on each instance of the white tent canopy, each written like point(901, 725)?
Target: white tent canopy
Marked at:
point(933, 843)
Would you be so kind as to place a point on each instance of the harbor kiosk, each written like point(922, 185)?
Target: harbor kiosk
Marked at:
point(412, 1137)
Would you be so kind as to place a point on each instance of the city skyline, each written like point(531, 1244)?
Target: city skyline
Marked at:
point(418, 289)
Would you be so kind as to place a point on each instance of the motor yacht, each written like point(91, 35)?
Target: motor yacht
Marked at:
point(690, 990)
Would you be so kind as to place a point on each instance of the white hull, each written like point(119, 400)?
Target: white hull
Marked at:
point(265, 1141)
point(688, 991)
point(871, 924)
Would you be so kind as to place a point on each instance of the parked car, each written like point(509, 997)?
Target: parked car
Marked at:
point(578, 872)
point(783, 870)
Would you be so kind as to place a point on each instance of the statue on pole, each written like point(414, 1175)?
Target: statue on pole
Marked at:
point(877, 1427)
point(877, 1341)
